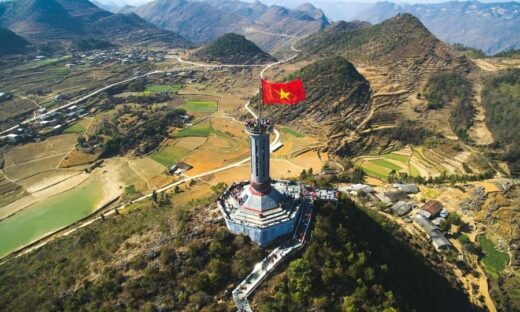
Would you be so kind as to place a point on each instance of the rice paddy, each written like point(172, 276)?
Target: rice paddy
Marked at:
point(163, 88)
point(202, 129)
point(34, 222)
point(200, 106)
point(170, 155)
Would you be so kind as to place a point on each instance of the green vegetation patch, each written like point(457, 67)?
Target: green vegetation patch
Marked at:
point(501, 98)
point(202, 129)
point(494, 260)
point(374, 170)
point(170, 155)
point(293, 132)
point(398, 157)
point(34, 222)
point(75, 128)
point(358, 261)
point(200, 106)
point(452, 88)
point(386, 164)
point(163, 88)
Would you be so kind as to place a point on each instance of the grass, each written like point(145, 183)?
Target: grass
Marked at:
point(200, 107)
point(293, 132)
point(398, 157)
point(170, 155)
point(386, 164)
point(202, 129)
point(36, 221)
point(163, 88)
point(494, 260)
point(75, 128)
point(374, 170)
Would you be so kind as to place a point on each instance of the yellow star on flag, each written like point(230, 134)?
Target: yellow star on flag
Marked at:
point(284, 95)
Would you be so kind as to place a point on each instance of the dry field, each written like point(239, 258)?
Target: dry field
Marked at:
point(30, 159)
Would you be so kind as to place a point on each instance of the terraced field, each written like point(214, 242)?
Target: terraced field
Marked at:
point(418, 161)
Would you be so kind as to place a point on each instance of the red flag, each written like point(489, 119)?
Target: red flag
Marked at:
point(290, 93)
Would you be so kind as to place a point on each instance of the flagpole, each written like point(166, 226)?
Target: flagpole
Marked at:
point(260, 103)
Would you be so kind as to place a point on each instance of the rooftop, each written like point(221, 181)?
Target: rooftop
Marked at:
point(433, 207)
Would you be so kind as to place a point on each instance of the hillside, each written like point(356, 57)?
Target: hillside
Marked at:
point(46, 20)
point(337, 96)
point(491, 27)
point(158, 257)
point(401, 37)
point(161, 256)
point(358, 261)
point(203, 21)
point(233, 49)
point(397, 57)
point(11, 43)
point(500, 98)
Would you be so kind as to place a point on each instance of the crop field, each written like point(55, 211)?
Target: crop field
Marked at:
point(200, 107)
point(78, 127)
point(380, 166)
point(14, 107)
point(170, 155)
point(42, 218)
point(30, 159)
point(420, 161)
point(201, 129)
point(9, 192)
point(292, 132)
point(77, 158)
point(293, 143)
point(163, 88)
point(494, 260)
point(221, 148)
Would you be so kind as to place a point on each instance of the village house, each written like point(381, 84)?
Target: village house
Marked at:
point(179, 168)
point(439, 241)
point(407, 188)
point(433, 208)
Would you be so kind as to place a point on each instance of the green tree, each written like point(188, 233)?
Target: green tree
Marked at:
point(300, 279)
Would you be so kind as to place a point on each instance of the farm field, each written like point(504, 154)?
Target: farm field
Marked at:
point(495, 261)
point(162, 88)
point(200, 107)
point(9, 192)
point(170, 155)
point(419, 161)
point(30, 159)
point(201, 129)
point(294, 143)
point(79, 127)
point(225, 144)
point(39, 219)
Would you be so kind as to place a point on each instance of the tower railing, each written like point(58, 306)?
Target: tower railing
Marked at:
point(259, 125)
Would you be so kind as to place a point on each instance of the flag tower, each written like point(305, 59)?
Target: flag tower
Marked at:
point(262, 208)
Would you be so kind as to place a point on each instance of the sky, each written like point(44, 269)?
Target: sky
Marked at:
point(139, 2)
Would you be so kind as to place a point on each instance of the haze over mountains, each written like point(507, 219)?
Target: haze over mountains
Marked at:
point(47, 20)
point(202, 21)
point(492, 27)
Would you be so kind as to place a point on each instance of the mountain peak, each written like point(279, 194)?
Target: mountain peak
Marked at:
point(233, 48)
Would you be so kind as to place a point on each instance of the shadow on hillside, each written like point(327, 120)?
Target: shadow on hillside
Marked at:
point(415, 284)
